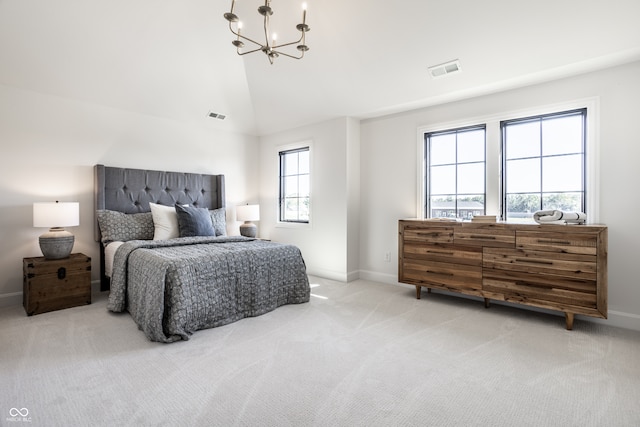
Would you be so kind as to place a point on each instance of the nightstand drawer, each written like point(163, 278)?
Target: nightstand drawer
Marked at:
point(50, 285)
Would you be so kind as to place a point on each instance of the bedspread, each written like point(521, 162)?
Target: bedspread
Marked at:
point(175, 287)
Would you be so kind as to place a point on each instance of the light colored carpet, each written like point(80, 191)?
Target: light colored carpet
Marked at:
point(359, 354)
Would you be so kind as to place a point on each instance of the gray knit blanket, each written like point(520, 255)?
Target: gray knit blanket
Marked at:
point(175, 287)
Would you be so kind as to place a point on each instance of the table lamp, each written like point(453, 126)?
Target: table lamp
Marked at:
point(57, 243)
point(248, 213)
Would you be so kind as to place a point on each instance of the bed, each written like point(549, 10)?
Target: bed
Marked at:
point(166, 258)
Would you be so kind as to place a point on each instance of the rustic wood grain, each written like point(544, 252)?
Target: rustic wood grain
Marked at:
point(50, 285)
point(548, 266)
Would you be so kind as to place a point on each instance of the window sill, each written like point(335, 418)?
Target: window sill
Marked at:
point(293, 225)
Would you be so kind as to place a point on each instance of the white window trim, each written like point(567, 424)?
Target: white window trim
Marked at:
point(492, 123)
point(287, 147)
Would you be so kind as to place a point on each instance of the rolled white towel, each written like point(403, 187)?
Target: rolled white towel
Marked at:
point(555, 216)
point(574, 217)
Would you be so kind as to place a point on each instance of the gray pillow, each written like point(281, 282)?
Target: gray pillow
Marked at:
point(119, 226)
point(219, 220)
point(194, 221)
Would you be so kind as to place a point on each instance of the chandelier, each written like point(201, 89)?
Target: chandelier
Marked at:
point(269, 47)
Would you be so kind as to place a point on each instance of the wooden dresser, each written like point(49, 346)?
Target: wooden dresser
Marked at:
point(558, 267)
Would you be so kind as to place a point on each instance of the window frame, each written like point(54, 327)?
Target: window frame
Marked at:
point(290, 148)
point(493, 155)
point(582, 112)
point(428, 166)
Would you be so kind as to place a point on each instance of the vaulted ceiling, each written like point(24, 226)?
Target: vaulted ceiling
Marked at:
point(174, 59)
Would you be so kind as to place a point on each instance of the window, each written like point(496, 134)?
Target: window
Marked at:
point(543, 164)
point(295, 197)
point(455, 173)
point(541, 158)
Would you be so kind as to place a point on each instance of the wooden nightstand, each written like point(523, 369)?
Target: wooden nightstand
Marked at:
point(54, 284)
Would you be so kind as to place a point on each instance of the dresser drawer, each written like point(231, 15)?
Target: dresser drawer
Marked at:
point(428, 234)
point(540, 278)
point(486, 235)
point(442, 274)
point(443, 253)
point(574, 243)
point(541, 262)
point(541, 291)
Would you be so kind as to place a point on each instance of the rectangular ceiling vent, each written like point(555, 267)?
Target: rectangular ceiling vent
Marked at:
point(445, 69)
point(217, 115)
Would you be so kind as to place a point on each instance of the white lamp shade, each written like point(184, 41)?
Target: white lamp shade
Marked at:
point(56, 214)
point(248, 213)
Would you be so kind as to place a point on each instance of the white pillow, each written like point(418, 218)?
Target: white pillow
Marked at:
point(165, 222)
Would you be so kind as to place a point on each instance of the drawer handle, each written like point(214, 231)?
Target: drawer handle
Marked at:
point(557, 242)
point(440, 253)
point(62, 273)
point(439, 272)
point(534, 261)
point(430, 234)
point(481, 236)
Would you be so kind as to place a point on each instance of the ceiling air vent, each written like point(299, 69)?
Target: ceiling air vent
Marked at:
point(217, 115)
point(445, 69)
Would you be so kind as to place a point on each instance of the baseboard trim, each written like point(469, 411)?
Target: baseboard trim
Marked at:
point(15, 298)
point(334, 275)
point(328, 274)
point(353, 275)
point(374, 276)
point(618, 319)
point(10, 299)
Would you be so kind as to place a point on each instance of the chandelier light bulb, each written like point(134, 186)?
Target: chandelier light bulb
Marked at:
point(268, 47)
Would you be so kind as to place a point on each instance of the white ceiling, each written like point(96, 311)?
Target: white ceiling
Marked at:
point(174, 59)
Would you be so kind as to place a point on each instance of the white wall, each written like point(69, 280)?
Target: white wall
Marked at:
point(50, 144)
point(334, 177)
point(389, 170)
point(364, 177)
point(353, 199)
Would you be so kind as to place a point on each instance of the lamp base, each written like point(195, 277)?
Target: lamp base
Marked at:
point(57, 243)
point(248, 229)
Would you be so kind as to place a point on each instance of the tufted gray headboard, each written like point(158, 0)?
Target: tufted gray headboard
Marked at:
point(130, 191)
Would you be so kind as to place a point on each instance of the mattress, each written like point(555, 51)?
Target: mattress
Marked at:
point(109, 255)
